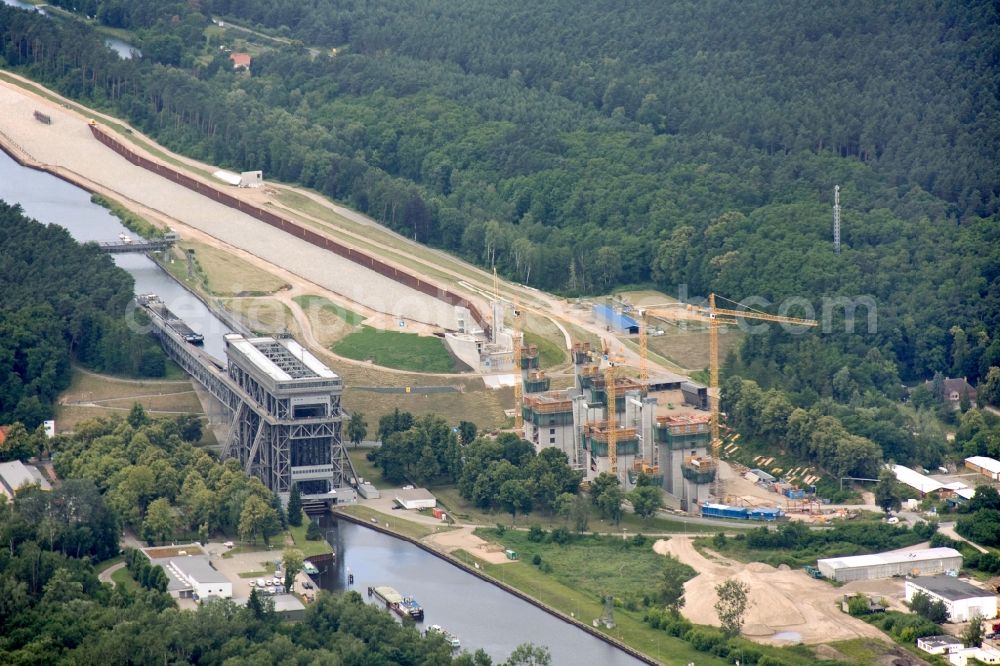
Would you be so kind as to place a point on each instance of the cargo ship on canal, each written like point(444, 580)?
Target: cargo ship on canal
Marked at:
point(153, 303)
point(402, 606)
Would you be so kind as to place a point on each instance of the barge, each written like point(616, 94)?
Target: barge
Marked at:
point(404, 607)
point(157, 307)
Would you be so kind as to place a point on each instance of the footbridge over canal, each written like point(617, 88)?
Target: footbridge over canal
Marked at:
point(284, 407)
point(128, 245)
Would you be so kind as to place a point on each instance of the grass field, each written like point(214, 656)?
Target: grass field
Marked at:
point(308, 548)
point(474, 402)
point(867, 651)
point(225, 274)
point(449, 498)
point(581, 572)
point(594, 565)
point(330, 322)
point(586, 606)
point(392, 349)
point(123, 578)
point(550, 355)
point(398, 525)
point(92, 395)
point(365, 469)
point(687, 344)
point(310, 302)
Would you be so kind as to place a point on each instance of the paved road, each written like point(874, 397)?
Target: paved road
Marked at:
point(948, 529)
point(105, 576)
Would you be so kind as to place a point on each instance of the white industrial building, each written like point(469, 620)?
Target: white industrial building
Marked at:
point(926, 562)
point(415, 498)
point(960, 598)
point(197, 576)
point(919, 482)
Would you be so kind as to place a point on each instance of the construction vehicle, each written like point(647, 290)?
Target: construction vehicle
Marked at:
point(813, 572)
point(714, 317)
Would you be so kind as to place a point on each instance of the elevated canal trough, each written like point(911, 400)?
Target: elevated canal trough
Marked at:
point(284, 405)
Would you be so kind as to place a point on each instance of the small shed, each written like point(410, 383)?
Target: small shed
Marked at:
point(511, 554)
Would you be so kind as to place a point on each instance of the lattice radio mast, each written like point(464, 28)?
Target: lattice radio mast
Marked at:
point(836, 219)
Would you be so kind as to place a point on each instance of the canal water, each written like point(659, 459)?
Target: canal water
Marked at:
point(52, 200)
point(480, 614)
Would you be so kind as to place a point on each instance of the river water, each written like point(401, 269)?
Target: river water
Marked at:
point(54, 201)
point(480, 614)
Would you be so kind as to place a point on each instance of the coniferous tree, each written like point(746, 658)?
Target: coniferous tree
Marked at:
point(295, 506)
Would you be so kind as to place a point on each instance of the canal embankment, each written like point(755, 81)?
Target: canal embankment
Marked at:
point(469, 566)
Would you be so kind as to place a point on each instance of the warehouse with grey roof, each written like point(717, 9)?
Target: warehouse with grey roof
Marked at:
point(925, 562)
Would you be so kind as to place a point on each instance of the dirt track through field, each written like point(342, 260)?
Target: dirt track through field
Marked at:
point(780, 600)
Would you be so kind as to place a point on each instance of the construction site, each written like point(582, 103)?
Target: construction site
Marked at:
point(628, 421)
point(618, 407)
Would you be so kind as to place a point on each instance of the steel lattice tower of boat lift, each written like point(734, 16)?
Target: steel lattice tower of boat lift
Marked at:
point(294, 436)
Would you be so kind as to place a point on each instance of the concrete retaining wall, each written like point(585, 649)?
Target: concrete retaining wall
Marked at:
point(319, 240)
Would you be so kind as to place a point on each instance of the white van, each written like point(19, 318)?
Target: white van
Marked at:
point(261, 583)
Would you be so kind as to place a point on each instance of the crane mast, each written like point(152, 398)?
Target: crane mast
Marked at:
point(612, 393)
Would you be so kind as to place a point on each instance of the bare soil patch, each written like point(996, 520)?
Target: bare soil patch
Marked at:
point(464, 539)
point(780, 601)
point(175, 551)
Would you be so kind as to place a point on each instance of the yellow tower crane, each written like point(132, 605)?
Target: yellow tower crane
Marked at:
point(711, 316)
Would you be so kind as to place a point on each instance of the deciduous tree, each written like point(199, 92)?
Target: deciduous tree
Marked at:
point(732, 605)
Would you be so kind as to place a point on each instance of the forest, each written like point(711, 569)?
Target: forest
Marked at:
point(62, 302)
point(584, 147)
